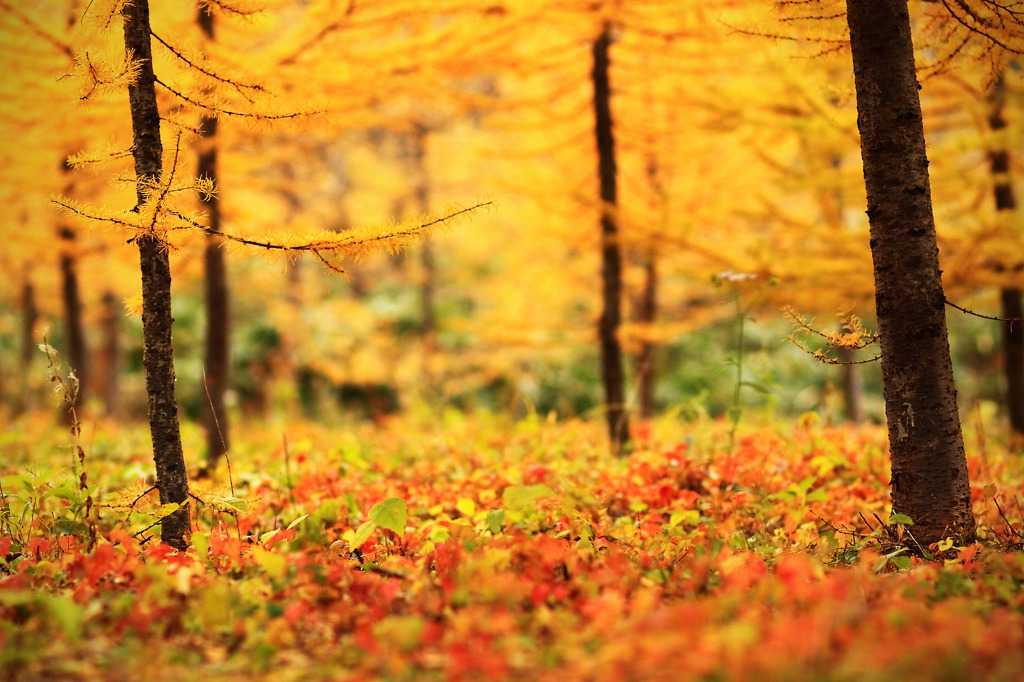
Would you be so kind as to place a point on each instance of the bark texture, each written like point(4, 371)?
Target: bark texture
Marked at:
point(158, 357)
point(1013, 332)
point(216, 353)
point(929, 468)
point(612, 374)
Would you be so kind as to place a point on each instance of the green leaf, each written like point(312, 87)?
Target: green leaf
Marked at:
point(901, 519)
point(296, 521)
point(495, 519)
point(201, 544)
point(391, 514)
point(235, 503)
point(516, 497)
point(68, 615)
point(405, 632)
point(690, 517)
point(353, 508)
point(363, 534)
point(637, 506)
point(583, 545)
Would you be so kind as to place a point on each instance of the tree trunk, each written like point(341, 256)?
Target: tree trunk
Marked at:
point(216, 364)
point(29, 316)
point(158, 356)
point(647, 312)
point(929, 468)
point(74, 330)
point(1013, 356)
point(853, 386)
point(108, 365)
point(611, 255)
point(1013, 332)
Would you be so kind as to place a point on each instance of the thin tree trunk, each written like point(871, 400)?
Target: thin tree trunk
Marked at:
point(216, 364)
point(1013, 356)
point(929, 468)
point(647, 315)
point(29, 316)
point(851, 376)
point(647, 309)
point(853, 386)
point(158, 356)
point(612, 373)
point(1013, 333)
point(108, 366)
point(74, 330)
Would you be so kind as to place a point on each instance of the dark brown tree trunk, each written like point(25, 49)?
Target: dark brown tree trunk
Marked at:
point(647, 312)
point(647, 308)
point(158, 355)
point(853, 386)
point(108, 365)
point(1013, 332)
point(29, 316)
point(74, 329)
point(612, 373)
point(850, 376)
point(1013, 356)
point(929, 468)
point(216, 364)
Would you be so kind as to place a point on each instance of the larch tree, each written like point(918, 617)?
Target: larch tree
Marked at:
point(74, 326)
point(1010, 297)
point(929, 467)
point(930, 482)
point(159, 215)
point(154, 263)
point(29, 317)
point(216, 362)
point(612, 368)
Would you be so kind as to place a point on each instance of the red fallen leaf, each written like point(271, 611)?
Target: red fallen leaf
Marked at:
point(160, 551)
point(667, 493)
point(364, 638)
point(966, 555)
point(539, 594)
point(67, 543)
point(535, 474)
point(37, 547)
point(5, 546)
point(641, 432)
point(120, 536)
point(296, 610)
point(744, 576)
point(286, 535)
point(474, 660)
point(98, 563)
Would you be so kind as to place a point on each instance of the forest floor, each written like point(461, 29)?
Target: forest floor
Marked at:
point(473, 548)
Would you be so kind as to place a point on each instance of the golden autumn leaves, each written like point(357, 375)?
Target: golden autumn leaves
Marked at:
point(168, 211)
